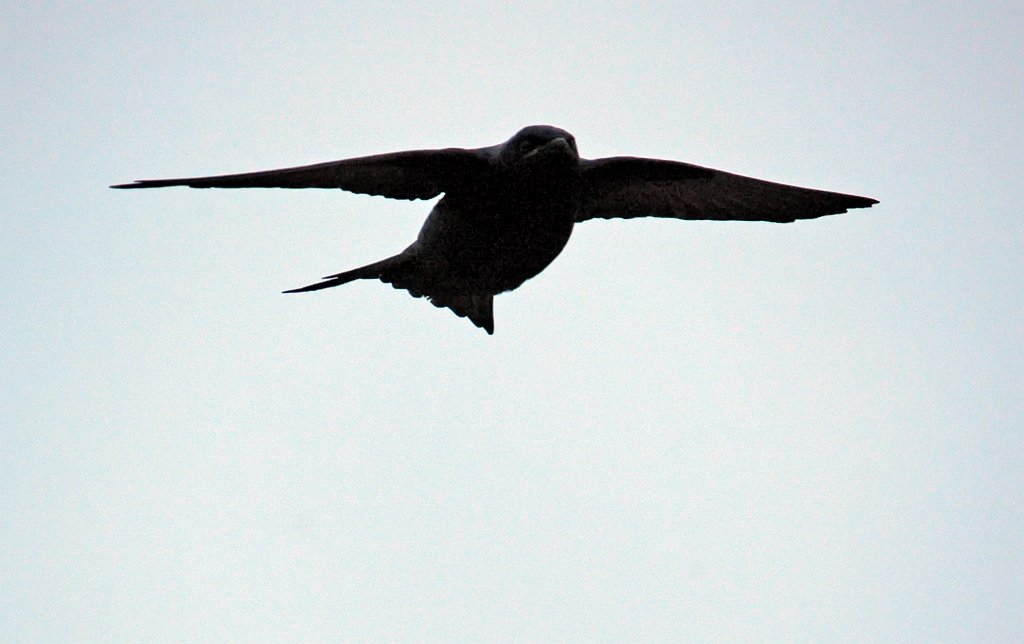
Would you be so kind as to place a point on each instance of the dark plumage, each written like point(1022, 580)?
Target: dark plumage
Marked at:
point(509, 209)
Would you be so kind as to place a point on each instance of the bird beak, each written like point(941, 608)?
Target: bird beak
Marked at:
point(558, 143)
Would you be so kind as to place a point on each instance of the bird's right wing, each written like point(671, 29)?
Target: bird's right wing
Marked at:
point(418, 174)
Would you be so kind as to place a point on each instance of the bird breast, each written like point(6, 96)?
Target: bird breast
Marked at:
point(493, 246)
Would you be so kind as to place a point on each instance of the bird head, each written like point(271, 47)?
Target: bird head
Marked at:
point(540, 145)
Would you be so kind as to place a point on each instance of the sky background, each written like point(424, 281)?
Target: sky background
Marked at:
point(689, 431)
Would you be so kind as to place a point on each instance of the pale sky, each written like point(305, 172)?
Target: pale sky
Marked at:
point(681, 431)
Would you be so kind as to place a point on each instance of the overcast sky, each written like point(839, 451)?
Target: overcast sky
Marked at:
point(689, 431)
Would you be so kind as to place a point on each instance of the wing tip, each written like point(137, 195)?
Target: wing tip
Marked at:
point(155, 183)
point(863, 202)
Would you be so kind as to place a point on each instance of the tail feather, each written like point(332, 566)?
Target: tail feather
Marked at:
point(478, 308)
point(401, 273)
point(370, 271)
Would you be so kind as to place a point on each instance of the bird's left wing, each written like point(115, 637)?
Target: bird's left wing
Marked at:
point(418, 174)
point(630, 187)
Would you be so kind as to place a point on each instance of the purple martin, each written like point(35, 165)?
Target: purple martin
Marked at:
point(508, 210)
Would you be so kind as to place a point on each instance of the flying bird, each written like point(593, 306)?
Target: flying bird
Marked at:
point(508, 210)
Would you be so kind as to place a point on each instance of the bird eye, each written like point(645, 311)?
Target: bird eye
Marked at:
point(526, 145)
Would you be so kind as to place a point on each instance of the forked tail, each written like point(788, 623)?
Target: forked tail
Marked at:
point(401, 273)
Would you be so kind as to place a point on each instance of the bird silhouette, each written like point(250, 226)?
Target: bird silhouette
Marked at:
point(509, 209)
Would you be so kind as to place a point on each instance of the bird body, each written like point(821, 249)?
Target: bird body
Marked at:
point(508, 210)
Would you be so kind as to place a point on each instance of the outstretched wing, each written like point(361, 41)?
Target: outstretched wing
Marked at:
point(419, 174)
point(630, 187)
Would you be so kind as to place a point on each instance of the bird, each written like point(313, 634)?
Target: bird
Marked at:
point(509, 209)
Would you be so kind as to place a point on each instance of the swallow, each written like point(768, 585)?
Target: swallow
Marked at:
point(508, 210)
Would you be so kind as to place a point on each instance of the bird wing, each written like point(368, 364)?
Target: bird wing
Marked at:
point(630, 187)
point(418, 174)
